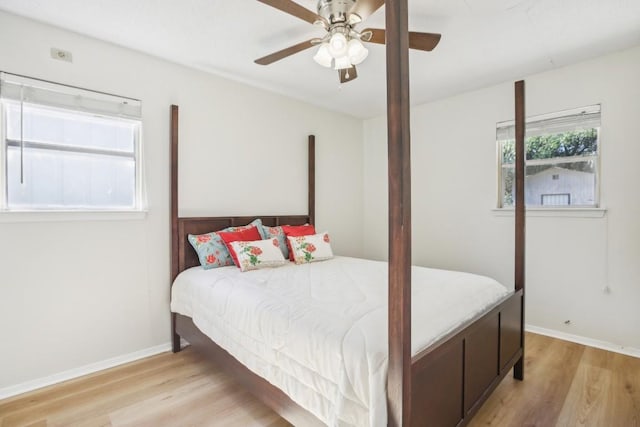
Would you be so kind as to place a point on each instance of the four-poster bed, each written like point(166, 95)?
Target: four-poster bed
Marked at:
point(445, 383)
point(450, 378)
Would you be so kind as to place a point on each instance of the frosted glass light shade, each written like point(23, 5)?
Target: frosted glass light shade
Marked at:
point(342, 62)
point(356, 51)
point(338, 45)
point(322, 56)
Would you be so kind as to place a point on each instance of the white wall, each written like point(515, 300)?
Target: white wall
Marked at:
point(569, 260)
point(79, 292)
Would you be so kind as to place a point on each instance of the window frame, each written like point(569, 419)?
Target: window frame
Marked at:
point(137, 211)
point(596, 207)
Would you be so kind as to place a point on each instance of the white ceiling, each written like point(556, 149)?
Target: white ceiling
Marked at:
point(483, 41)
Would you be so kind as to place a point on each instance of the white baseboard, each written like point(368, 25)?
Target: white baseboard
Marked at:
point(603, 345)
point(25, 387)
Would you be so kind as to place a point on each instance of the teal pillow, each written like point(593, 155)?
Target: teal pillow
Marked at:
point(277, 232)
point(212, 251)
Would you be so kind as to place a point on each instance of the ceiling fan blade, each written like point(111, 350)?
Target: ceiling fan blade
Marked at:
point(281, 54)
point(348, 74)
point(292, 8)
point(420, 41)
point(423, 41)
point(364, 8)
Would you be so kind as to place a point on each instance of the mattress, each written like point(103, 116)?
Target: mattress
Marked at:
point(319, 331)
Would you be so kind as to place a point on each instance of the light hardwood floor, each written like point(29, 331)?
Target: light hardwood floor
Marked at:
point(565, 384)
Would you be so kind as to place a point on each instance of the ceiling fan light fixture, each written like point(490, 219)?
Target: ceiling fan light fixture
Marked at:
point(342, 62)
point(338, 45)
point(354, 19)
point(356, 51)
point(322, 56)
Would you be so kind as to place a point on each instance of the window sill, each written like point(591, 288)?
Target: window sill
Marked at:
point(555, 212)
point(66, 216)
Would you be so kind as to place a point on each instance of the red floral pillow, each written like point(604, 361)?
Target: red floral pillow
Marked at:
point(297, 231)
point(247, 235)
point(311, 248)
point(259, 254)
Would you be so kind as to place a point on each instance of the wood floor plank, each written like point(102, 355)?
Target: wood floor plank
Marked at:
point(71, 387)
point(565, 384)
point(550, 366)
point(105, 392)
point(584, 405)
point(189, 404)
point(626, 397)
point(67, 389)
point(101, 420)
point(166, 390)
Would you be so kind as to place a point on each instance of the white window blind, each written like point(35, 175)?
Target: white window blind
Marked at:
point(28, 90)
point(565, 121)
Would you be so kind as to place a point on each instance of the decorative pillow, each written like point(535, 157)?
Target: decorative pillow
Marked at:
point(210, 248)
point(245, 235)
point(255, 223)
point(258, 254)
point(311, 248)
point(278, 233)
point(295, 231)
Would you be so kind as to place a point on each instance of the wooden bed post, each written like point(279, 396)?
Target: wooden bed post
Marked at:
point(312, 179)
point(175, 339)
point(399, 141)
point(520, 125)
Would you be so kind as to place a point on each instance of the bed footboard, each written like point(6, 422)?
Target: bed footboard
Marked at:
point(452, 378)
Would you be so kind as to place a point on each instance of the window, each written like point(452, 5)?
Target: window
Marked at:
point(562, 159)
point(68, 149)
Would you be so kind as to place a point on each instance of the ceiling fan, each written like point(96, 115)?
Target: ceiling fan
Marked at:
point(341, 46)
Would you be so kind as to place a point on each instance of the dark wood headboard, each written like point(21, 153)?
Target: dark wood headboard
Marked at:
point(187, 257)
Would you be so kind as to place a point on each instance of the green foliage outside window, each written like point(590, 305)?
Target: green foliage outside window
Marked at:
point(567, 144)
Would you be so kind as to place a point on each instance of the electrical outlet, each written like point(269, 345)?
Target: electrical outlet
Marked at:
point(61, 55)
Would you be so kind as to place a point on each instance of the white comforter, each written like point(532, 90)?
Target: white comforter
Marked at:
point(319, 331)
